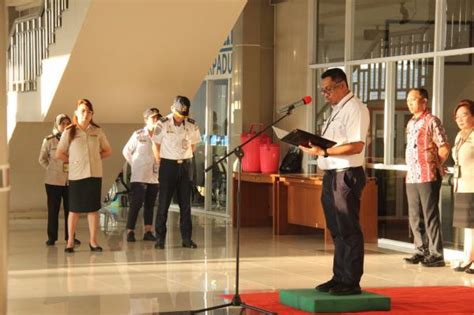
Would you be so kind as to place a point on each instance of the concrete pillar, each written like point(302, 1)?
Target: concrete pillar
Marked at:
point(252, 76)
point(4, 167)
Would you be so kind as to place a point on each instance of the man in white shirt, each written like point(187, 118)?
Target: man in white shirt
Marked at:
point(176, 137)
point(343, 181)
point(144, 179)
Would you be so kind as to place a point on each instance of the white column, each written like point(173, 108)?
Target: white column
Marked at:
point(349, 39)
point(4, 167)
point(438, 62)
point(389, 112)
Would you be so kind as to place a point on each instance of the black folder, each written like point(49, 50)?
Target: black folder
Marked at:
point(300, 137)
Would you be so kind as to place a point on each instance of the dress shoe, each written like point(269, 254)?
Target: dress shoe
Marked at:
point(326, 286)
point(77, 242)
point(470, 271)
point(50, 243)
point(415, 259)
point(345, 289)
point(131, 236)
point(433, 261)
point(148, 236)
point(69, 250)
point(462, 267)
point(189, 244)
point(160, 244)
point(95, 249)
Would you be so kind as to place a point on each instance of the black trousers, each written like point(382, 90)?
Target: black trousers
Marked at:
point(54, 195)
point(174, 176)
point(423, 214)
point(341, 203)
point(141, 194)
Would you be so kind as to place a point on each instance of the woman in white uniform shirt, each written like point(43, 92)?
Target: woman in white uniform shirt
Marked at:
point(56, 180)
point(83, 145)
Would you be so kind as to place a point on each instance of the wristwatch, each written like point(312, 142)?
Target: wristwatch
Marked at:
point(326, 154)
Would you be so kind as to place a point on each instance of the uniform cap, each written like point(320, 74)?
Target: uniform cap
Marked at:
point(150, 112)
point(181, 106)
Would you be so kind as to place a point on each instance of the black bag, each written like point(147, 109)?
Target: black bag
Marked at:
point(292, 161)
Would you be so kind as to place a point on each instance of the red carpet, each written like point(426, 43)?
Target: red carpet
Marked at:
point(409, 300)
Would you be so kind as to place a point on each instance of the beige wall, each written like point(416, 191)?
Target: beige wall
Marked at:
point(27, 175)
point(4, 189)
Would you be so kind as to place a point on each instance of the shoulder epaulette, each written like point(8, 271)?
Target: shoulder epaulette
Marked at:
point(164, 119)
point(50, 137)
point(192, 121)
point(139, 131)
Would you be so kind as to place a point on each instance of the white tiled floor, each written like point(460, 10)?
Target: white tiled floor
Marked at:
point(135, 278)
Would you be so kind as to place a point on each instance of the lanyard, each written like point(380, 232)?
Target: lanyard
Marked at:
point(331, 119)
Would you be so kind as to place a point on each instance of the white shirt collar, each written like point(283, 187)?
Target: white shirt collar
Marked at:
point(344, 100)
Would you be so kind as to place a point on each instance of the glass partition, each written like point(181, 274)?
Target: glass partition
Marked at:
point(393, 28)
point(459, 27)
point(330, 30)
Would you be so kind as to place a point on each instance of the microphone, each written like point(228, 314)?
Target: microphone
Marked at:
point(288, 108)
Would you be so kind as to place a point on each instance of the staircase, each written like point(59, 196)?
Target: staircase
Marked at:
point(30, 38)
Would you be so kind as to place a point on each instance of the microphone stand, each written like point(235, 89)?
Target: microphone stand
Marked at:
point(239, 153)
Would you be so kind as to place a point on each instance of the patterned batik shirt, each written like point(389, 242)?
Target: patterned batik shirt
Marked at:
point(425, 135)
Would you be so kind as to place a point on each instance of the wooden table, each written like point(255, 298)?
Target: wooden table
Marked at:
point(299, 204)
point(291, 204)
point(257, 199)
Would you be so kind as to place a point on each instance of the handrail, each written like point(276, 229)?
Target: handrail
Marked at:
point(29, 41)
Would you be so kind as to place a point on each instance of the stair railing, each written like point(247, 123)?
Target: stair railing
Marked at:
point(29, 41)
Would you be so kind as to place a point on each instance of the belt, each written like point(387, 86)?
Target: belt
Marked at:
point(338, 170)
point(176, 161)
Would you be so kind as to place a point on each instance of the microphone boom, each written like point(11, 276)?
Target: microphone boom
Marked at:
point(288, 108)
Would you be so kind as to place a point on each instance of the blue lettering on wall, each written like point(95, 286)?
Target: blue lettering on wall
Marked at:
point(222, 65)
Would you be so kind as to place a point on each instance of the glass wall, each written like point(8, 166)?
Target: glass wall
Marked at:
point(391, 32)
point(210, 108)
point(393, 28)
point(330, 31)
point(459, 18)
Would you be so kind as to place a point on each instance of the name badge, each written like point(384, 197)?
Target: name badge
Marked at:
point(65, 167)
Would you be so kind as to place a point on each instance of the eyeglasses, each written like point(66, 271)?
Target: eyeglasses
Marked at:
point(85, 112)
point(414, 99)
point(329, 90)
point(461, 116)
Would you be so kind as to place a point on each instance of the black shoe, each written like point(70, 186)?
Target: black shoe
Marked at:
point(50, 243)
point(415, 259)
point(462, 268)
point(326, 286)
point(433, 261)
point(189, 244)
point(77, 242)
point(131, 236)
point(95, 249)
point(69, 250)
point(470, 271)
point(345, 289)
point(160, 244)
point(148, 236)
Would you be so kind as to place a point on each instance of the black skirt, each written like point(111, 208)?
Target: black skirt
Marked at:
point(85, 194)
point(463, 216)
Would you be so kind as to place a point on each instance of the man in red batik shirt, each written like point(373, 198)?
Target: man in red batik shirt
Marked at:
point(427, 149)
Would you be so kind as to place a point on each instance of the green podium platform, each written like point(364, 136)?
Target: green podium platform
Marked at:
point(310, 300)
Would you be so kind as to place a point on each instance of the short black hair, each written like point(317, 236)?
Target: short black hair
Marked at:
point(422, 91)
point(336, 74)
